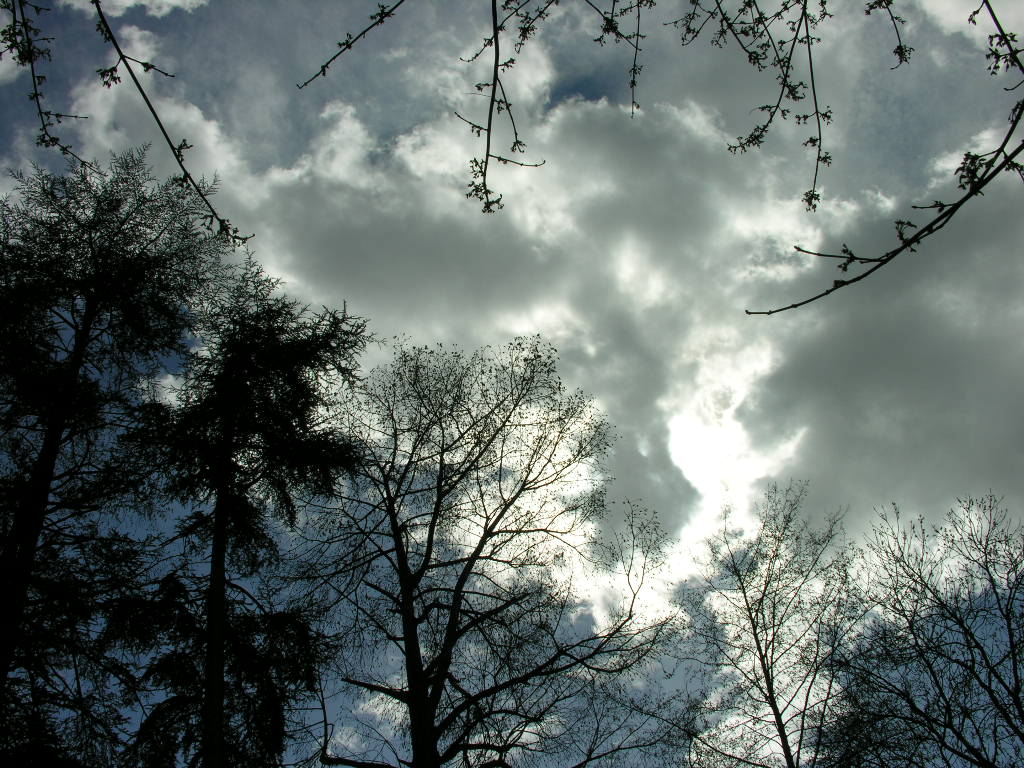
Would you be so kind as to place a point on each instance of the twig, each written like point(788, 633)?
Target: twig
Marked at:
point(383, 14)
point(224, 227)
point(23, 43)
point(974, 175)
point(907, 244)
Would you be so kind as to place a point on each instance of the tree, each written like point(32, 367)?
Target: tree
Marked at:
point(246, 437)
point(454, 559)
point(777, 36)
point(936, 676)
point(271, 654)
point(767, 616)
point(98, 272)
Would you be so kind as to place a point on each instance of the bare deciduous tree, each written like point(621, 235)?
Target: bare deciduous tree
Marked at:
point(767, 614)
point(471, 527)
point(937, 677)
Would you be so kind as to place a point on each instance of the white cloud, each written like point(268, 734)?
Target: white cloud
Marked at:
point(942, 167)
point(707, 434)
point(951, 16)
point(156, 8)
point(880, 201)
point(637, 276)
point(342, 152)
point(9, 70)
point(117, 120)
point(138, 43)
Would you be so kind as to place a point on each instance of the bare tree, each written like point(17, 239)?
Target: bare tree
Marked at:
point(471, 525)
point(937, 676)
point(767, 614)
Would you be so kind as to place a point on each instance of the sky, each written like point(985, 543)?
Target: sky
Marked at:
point(637, 246)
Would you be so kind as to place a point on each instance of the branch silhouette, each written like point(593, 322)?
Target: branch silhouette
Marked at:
point(974, 173)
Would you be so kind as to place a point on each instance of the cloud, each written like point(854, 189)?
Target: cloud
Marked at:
point(952, 15)
point(619, 251)
point(9, 70)
point(904, 387)
point(156, 8)
point(638, 244)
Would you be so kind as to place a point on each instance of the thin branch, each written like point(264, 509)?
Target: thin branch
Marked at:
point(478, 186)
point(812, 196)
point(906, 243)
point(224, 228)
point(634, 71)
point(974, 174)
point(383, 13)
point(23, 43)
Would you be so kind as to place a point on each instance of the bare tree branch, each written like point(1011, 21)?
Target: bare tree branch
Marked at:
point(223, 226)
point(474, 478)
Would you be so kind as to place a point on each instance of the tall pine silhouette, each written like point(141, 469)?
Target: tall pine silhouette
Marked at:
point(97, 274)
point(246, 440)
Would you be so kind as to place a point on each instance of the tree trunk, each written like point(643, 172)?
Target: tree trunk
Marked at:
point(216, 620)
point(17, 560)
point(19, 554)
point(420, 703)
point(424, 742)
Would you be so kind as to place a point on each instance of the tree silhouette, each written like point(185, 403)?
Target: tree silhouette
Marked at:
point(270, 654)
point(246, 436)
point(767, 617)
point(936, 676)
point(454, 560)
point(98, 272)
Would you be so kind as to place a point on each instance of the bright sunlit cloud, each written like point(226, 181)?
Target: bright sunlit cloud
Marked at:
point(708, 439)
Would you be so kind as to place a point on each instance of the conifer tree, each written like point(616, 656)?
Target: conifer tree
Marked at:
point(97, 274)
point(246, 439)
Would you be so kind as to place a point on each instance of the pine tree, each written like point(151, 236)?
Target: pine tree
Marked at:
point(246, 439)
point(97, 272)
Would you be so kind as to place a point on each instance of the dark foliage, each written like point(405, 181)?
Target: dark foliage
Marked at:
point(96, 276)
point(246, 436)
